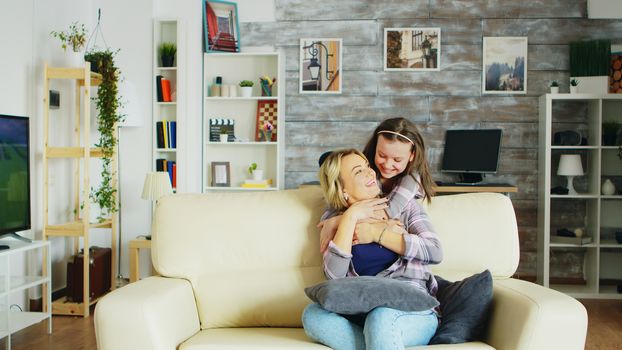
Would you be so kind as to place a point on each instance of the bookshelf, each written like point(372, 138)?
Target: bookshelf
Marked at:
point(78, 156)
point(244, 147)
point(168, 102)
point(596, 213)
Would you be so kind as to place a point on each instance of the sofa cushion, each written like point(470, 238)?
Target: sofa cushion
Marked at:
point(357, 295)
point(464, 221)
point(464, 308)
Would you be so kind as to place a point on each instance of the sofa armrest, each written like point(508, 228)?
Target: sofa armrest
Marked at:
point(154, 313)
point(525, 316)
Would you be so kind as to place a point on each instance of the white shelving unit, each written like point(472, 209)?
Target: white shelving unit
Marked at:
point(169, 31)
point(13, 320)
point(599, 215)
point(233, 68)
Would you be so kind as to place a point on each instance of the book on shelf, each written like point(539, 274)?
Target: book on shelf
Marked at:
point(160, 134)
point(165, 132)
point(173, 134)
point(159, 88)
point(571, 240)
point(166, 90)
point(250, 183)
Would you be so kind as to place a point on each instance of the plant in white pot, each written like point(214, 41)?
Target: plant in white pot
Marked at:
point(574, 86)
point(246, 87)
point(589, 65)
point(224, 136)
point(554, 87)
point(255, 172)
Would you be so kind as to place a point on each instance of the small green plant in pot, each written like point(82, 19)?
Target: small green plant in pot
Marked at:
point(75, 37)
point(255, 172)
point(246, 86)
point(554, 87)
point(610, 132)
point(167, 54)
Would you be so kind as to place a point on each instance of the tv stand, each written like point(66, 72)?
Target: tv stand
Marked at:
point(470, 178)
point(16, 236)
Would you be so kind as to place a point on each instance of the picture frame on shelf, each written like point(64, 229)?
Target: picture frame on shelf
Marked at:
point(267, 112)
point(504, 65)
point(221, 174)
point(221, 31)
point(320, 66)
point(412, 49)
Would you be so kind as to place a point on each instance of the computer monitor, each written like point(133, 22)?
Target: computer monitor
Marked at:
point(471, 153)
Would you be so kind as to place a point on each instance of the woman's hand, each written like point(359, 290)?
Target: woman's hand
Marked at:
point(368, 230)
point(367, 209)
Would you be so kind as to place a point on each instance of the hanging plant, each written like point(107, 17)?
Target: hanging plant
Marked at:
point(107, 102)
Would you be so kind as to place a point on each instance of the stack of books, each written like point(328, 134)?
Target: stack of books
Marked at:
point(571, 240)
point(257, 183)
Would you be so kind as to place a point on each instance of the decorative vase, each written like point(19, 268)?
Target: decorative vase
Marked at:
point(608, 188)
point(574, 89)
point(224, 137)
point(266, 135)
point(266, 90)
point(554, 89)
point(246, 91)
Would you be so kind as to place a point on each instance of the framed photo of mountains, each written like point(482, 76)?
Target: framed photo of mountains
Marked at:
point(504, 65)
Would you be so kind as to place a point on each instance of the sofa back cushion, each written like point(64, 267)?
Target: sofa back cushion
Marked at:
point(478, 231)
point(248, 255)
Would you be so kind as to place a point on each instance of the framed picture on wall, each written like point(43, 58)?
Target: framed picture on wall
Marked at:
point(412, 49)
point(221, 31)
point(221, 174)
point(504, 65)
point(320, 66)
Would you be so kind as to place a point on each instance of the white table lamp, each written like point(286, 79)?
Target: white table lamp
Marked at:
point(157, 185)
point(570, 166)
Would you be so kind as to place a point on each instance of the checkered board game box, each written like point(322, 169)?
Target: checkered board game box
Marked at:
point(266, 112)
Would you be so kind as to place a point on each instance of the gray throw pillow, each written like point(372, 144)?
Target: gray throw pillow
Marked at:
point(464, 309)
point(356, 295)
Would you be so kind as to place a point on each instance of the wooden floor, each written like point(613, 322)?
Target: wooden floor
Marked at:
point(78, 333)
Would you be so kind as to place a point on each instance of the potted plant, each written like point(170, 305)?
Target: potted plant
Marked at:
point(574, 85)
point(246, 86)
point(256, 173)
point(224, 136)
point(554, 87)
point(167, 53)
point(589, 64)
point(75, 37)
point(107, 103)
point(610, 132)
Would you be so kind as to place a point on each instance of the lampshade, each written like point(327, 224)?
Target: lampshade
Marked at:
point(570, 165)
point(157, 184)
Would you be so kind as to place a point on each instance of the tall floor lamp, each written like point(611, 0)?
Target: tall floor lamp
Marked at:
point(132, 118)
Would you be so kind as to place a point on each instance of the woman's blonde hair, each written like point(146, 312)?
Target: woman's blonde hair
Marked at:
point(330, 181)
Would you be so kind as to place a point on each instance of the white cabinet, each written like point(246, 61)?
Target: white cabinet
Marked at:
point(247, 114)
point(599, 215)
point(12, 319)
point(169, 98)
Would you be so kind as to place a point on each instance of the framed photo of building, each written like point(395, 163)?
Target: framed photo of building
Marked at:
point(221, 174)
point(221, 31)
point(412, 49)
point(504, 65)
point(320, 66)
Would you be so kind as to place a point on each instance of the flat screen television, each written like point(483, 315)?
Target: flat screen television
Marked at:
point(14, 176)
point(471, 153)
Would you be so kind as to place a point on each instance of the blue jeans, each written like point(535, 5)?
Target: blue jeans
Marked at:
point(384, 329)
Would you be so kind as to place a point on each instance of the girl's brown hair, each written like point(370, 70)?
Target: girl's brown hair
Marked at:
point(403, 130)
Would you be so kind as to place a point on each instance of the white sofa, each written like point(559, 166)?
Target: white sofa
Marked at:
point(233, 268)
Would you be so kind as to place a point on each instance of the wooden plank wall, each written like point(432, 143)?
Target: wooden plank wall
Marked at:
point(450, 98)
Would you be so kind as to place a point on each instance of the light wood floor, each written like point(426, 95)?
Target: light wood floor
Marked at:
point(78, 333)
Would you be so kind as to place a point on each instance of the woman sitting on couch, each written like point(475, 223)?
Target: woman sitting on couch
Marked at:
point(374, 248)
